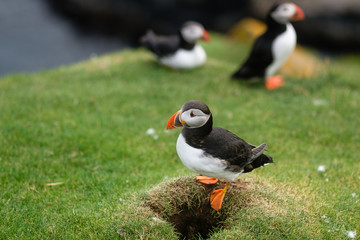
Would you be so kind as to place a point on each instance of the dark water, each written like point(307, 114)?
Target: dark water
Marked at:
point(33, 38)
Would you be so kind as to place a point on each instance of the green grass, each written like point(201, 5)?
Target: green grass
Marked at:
point(84, 127)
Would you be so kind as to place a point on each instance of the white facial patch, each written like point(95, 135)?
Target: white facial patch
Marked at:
point(283, 13)
point(192, 33)
point(194, 118)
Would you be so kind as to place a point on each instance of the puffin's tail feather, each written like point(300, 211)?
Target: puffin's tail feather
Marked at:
point(147, 40)
point(147, 37)
point(262, 160)
point(242, 74)
point(257, 151)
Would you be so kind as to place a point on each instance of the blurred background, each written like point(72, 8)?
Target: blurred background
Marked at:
point(41, 34)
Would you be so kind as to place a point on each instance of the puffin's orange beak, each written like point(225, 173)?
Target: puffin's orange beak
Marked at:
point(299, 15)
point(175, 121)
point(206, 36)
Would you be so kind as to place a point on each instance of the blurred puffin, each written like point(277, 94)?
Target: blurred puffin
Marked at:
point(178, 51)
point(272, 48)
point(213, 152)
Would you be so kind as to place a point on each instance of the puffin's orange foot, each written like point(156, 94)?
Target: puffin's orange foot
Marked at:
point(217, 198)
point(274, 82)
point(207, 180)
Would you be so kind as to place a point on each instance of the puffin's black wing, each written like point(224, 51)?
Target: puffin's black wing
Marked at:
point(160, 45)
point(223, 144)
point(259, 59)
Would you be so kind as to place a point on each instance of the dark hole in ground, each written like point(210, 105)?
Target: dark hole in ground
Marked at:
point(185, 203)
point(191, 218)
point(192, 223)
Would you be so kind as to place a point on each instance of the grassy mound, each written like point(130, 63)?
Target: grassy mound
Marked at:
point(185, 203)
point(252, 210)
point(77, 162)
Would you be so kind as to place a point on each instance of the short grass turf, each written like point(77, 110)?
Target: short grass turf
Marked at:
point(76, 162)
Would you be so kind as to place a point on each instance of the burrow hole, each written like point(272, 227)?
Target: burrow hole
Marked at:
point(196, 220)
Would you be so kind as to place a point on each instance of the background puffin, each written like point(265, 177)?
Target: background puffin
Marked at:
point(178, 51)
point(272, 48)
point(213, 152)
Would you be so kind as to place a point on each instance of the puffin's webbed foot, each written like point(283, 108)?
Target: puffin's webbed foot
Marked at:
point(207, 180)
point(274, 82)
point(217, 197)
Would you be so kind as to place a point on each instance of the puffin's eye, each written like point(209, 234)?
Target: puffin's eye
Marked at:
point(192, 114)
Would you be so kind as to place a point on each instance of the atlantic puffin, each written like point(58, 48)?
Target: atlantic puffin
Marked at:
point(273, 47)
point(178, 51)
point(213, 152)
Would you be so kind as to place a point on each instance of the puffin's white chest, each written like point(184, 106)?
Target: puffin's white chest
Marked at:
point(203, 164)
point(185, 59)
point(282, 47)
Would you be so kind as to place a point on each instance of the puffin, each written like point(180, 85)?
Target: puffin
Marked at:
point(271, 49)
point(179, 51)
point(212, 152)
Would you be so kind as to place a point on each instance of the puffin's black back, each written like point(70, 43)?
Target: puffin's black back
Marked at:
point(261, 54)
point(163, 46)
point(221, 143)
point(160, 45)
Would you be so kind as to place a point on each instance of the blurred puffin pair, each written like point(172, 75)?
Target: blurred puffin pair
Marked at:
point(212, 152)
point(270, 50)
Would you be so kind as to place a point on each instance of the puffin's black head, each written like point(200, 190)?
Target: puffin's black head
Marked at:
point(286, 12)
point(193, 114)
point(192, 31)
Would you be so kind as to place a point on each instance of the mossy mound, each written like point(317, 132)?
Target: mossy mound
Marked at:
point(184, 203)
point(252, 209)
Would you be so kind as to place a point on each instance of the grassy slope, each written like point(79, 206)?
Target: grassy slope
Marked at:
point(84, 126)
